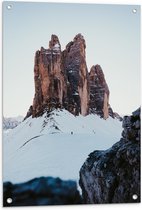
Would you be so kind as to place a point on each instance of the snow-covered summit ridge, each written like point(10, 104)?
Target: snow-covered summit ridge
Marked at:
point(62, 121)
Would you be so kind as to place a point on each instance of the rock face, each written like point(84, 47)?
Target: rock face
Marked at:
point(41, 191)
point(50, 86)
point(62, 81)
point(74, 64)
point(99, 93)
point(113, 176)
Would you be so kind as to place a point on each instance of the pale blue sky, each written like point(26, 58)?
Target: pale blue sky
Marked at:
point(112, 34)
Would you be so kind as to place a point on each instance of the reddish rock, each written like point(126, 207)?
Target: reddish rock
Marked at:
point(62, 81)
point(50, 86)
point(74, 64)
point(99, 93)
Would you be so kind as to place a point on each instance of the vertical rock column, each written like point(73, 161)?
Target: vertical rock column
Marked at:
point(99, 92)
point(50, 86)
point(74, 62)
point(38, 98)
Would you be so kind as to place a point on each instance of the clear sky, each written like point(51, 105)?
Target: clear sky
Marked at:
point(112, 34)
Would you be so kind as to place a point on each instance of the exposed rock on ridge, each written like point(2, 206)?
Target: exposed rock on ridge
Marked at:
point(113, 176)
point(62, 81)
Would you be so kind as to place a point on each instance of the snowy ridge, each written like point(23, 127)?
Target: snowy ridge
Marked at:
point(11, 122)
point(55, 144)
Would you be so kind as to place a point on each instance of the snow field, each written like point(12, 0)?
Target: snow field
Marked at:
point(56, 145)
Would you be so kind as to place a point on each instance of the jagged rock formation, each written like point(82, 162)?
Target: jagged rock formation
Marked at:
point(113, 176)
point(75, 67)
point(41, 191)
point(62, 81)
point(50, 86)
point(99, 93)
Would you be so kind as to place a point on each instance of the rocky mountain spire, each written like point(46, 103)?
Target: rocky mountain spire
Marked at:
point(99, 92)
point(74, 62)
point(49, 79)
point(62, 81)
point(54, 43)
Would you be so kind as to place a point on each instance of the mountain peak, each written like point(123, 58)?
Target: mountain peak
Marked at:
point(54, 42)
point(79, 37)
point(62, 81)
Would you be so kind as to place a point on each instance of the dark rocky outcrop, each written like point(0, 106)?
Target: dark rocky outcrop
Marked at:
point(62, 81)
point(113, 176)
point(41, 191)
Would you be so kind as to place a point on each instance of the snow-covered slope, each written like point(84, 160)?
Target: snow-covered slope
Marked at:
point(55, 145)
point(11, 122)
